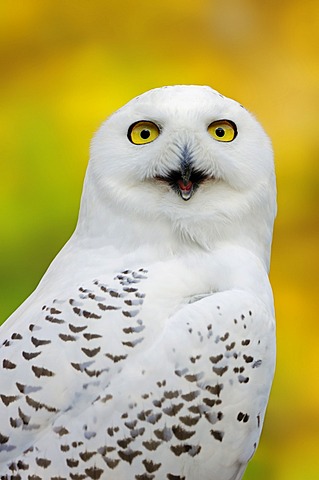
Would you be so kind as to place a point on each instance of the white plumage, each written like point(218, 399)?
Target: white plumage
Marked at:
point(148, 349)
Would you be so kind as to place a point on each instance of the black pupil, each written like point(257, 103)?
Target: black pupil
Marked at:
point(145, 134)
point(220, 132)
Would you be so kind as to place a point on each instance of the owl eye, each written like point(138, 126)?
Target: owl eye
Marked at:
point(223, 130)
point(143, 132)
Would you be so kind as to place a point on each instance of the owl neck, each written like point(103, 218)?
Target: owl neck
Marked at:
point(107, 226)
point(110, 226)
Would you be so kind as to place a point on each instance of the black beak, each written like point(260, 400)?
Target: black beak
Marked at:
point(184, 183)
point(187, 179)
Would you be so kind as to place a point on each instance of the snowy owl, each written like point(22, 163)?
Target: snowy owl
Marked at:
point(148, 349)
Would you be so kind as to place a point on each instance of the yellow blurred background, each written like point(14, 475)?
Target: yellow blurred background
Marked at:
point(66, 65)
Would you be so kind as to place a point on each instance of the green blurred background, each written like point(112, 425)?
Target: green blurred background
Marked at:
point(66, 65)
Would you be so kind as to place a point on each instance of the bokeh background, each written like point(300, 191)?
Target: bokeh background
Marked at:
point(66, 65)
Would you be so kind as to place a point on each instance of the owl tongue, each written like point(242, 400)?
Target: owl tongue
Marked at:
point(185, 190)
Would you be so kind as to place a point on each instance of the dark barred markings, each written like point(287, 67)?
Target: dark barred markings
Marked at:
point(151, 444)
point(129, 455)
point(160, 421)
point(145, 476)
point(77, 328)
point(107, 307)
point(116, 358)
point(38, 405)
point(91, 336)
point(43, 462)
point(85, 456)
point(91, 352)
point(181, 433)
point(30, 355)
point(94, 472)
point(39, 342)
point(61, 431)
point(218, 435)
point(150, 466)
point(7, 399)
point(3, 439)
point(216, 359)
point(52, 319)
point(16, 336)
point(243, 417)
point(220, 370)
point(9, 365)
point(174, 477)
point(67, 337)
point(42, 372)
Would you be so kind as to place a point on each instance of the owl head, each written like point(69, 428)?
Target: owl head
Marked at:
point(185, 161)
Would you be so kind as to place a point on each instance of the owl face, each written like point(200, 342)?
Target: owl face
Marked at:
point(179, 141)
point(187, 154)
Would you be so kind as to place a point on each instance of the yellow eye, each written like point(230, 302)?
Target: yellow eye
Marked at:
point(143, 132)
point(223, 130)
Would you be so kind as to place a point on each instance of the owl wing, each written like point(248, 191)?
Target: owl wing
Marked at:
point(88, 386)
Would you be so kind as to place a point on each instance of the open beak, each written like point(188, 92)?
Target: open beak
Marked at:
point(184, 183)
point(187, 179)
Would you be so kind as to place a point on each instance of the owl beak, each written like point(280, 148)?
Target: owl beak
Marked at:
point(186, 180)
point(185, 185)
